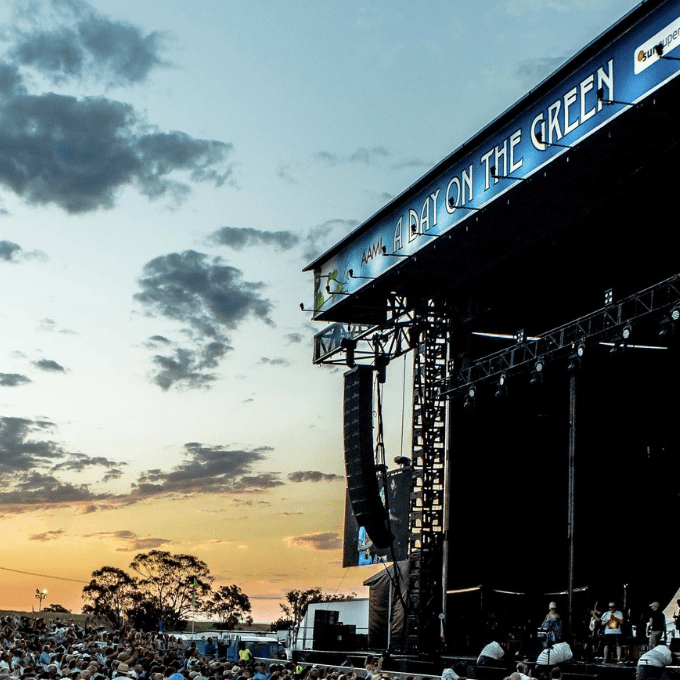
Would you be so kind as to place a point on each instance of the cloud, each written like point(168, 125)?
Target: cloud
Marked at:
point(12, 252)
point(319, 541)
point(532, 71)
point(77, 462)
point(360, 156)
point(29, 460)
point(209, 469)
point(313, 476)
point(49, 365)
point(274, 362)
point(238, 238)
point(210, 298)
point(76, 41)
point(50, 326)
point(47, 535)
point(293, 338)
point(13, 379)
point(132, 542)
point(323, 235)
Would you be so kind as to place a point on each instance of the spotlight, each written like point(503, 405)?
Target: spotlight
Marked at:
point(502, 389)
point(626, 331)
point(675, 313)
point(580, 349)
point(470, 397)
point(609, 296)
point(574, 362)
point(537, 372)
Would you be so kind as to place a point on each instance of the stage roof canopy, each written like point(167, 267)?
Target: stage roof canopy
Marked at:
point(561, 197)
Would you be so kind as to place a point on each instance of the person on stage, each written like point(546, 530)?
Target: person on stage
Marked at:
point(612, 620)
point(656, 626)
point(551, 627)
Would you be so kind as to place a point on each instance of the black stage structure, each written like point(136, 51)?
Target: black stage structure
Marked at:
point(534, 274)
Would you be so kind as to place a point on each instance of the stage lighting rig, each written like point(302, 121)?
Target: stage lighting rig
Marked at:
point(453, 206)
point(492, 172)
point(609, 102)
point(367, 278)
point(539, 139)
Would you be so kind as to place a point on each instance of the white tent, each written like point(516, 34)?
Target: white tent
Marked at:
point(670, 609)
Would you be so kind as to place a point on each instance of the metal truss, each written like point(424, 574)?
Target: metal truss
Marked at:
point(604, 325)
point(351, 344)
point(426, 516)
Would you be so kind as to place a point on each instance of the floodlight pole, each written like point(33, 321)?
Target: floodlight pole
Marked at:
point(571, 494)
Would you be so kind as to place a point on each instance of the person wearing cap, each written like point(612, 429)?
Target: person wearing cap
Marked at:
point(612, 620)
point(656, 627)
point(551, 626)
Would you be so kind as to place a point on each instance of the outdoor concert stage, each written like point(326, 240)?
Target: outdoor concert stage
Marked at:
point(550, 237)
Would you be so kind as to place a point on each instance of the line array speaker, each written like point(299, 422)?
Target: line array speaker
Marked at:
point(362, 480)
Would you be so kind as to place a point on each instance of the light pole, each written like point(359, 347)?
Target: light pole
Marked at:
point(40, 595)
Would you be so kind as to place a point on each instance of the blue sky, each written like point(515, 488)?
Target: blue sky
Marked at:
point(166, 171)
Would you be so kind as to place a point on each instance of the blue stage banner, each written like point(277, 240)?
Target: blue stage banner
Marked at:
point(593, 91)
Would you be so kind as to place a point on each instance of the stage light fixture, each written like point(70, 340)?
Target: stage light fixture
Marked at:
point(675, 313)
point(536, 377)
point(453, 206)
point(502, 389)
point(539, 139)
point(386, 254)
point(626, 331)
point(574, 361)
point(609, 102)
point(519, 337)
point(470, 397)
point(351, 276)
point(492, 172)
point(609, 296)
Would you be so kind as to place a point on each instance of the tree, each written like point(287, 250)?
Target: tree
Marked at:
point(56, 608)
point(110, 594)
point(178, 585)
point(297, 602)
point(231, 606)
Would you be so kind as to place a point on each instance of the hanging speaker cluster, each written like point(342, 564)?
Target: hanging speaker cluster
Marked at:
point(362, 480)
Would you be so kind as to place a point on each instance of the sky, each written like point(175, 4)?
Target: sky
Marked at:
point(167, 169)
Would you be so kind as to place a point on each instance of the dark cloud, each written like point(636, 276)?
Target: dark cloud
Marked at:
point(12, 252)
point(361, 155)
point(13, 379)
point(23, 447)
point(209, 469)
point(29, 460)
point(79, 153)
point(313, 476)
point(76, 41)
point(185, 368)
point(324, 235)
point(210, 298)
point(49, 365)
point(77, 462)
point(320, 541)
point(238, 238)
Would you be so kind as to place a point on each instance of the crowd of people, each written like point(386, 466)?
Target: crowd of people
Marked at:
point(36, 649)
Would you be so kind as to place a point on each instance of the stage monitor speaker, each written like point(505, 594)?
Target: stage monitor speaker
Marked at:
point(362, 480)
